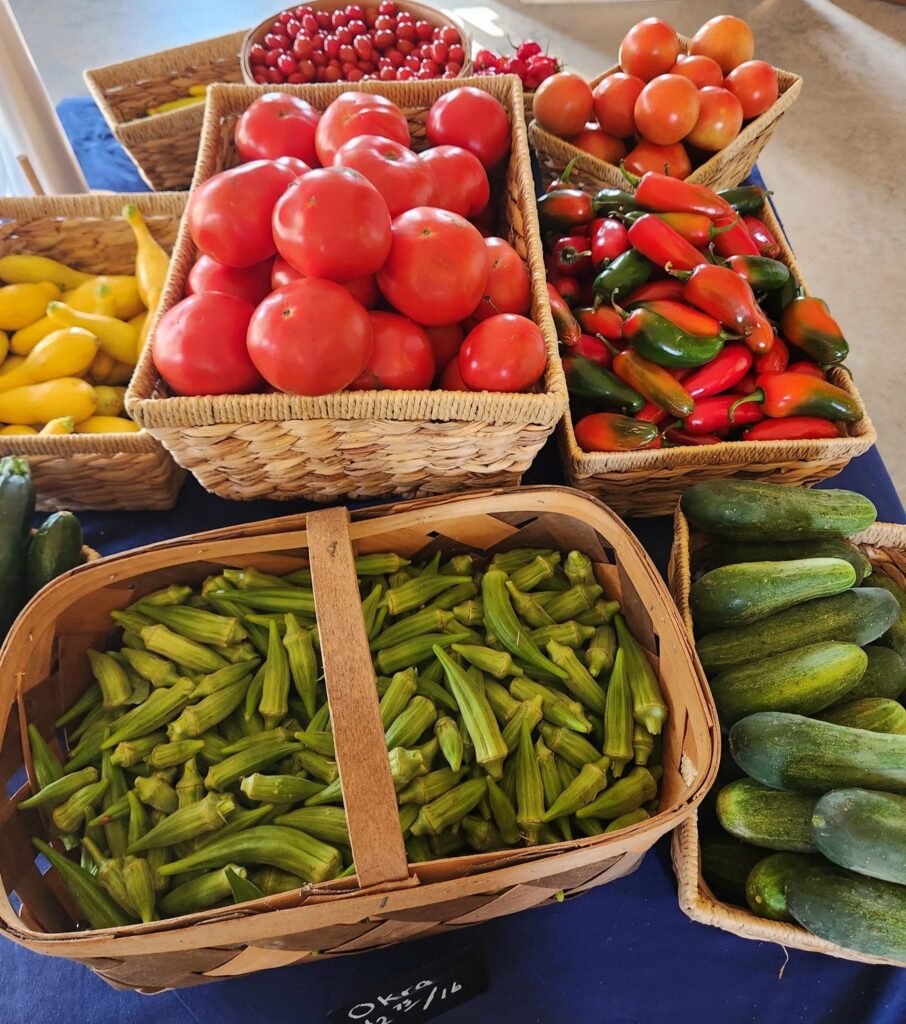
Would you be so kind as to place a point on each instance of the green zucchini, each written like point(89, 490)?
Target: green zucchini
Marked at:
point(726, 864)
point(895, 637)
point(803, 754)
point(854, 617)
point(863, 914)
point(730, 552)
point(55, 548)
point(876, 714)
point(747, 510)
point(767, 817)
point(17, 506)
point(885, 675)
point(805, 680)
point(766, 884)
point(735, 595)
point(863, 831)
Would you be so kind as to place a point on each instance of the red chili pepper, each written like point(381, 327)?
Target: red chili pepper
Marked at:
point(658, 442)
point(611, 432)
point(675, 437)
point(774, 361)
point(745, 386)
point(663, 194)
point(688, 319)
point(651, 413)
point(654, 238)
point(652, 382)
point(794, 428)
point(711, 415)
point(812, 369)
point(724, 295)
point(780, 395)
point(571, 255)
point(735, 240)
point(569, 288)
point(594, 349)
point(609, 239)
point(653, 291)
point(761, 235)
point(726, 369)
point(696, 228)
point(568, 330)
point(604, 320)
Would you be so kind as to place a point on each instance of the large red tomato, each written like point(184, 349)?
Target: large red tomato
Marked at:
point(437, 268)
point(719, 120)
point(600, 144)
point(278, 124)
point(446, 342)
point(508, 289)
point(363, 289)
point(649, 49)
point(248, 283)
point(358, 113)
point(726, 39)
point(563, 104)
point(667, 109)
point(401, 358)
point(462, 183)
point(199, 346)
point(754, 84)
point(473, 119)
point(647, 156)
point(395, 171)
point(333, 223)
point(699, 69)
point(505, 353)
point(310, 337)
point(282, 273)
point(229, 215)
point(614, 99)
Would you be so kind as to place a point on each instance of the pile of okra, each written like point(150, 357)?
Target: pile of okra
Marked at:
point(517, 706)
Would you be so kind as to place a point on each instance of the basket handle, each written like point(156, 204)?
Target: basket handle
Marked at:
point(361, 751)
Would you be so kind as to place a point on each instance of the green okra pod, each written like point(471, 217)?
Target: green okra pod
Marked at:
point(242, 888)
point(275, 685)
point(570, 634)
point(223, 774)
point(624, 795)
point(112, 679)
point(469, 613)
point(212, 752)
point(97, 714)
point(93, 903)
point(325, 823)
point(414, 593)
point(405, 765)
point(573, 602)
point(426, 788)
point(503, 812)
point(592, 778)
point(602, 651)
point(303, 663)
point(428, 620)
point(160, 707)
point(417, 850)
point(116, 811)
point(414, 652)
point(131, 620)
point(191, 655)
point(501, 619)
point(48, 767)
point(528, 607)
point(130, 752)
point(499, 664)
point(530, 712)
point(251, 578)
point(90, 699)
point(408, 727)
point(139, 819)
point(322, 768)
point(202, 891)
point(370, 606)
point(176, 593)
point(600, 613)
point(648, 704)
point(408, 814)
point(156, 793)
point(271, 599)
point(578, 568)
point(60, 790)
point(115, 832)
point(203, 627)
point(252, 698)
point(516, 558)
point(318, 742)
point(539, 569)
point(529, 788)
point(627, 819)
point(450, 740)
point(502, 704)
point(140, 887)
point(397, 696)
point(556, 707)
point(187, 823)
point(280, 734)
point(480, 834)
point(224, 678)
point(618, 720)
point(68, 816)
point(158, 671)
point(591, 826)
point(88, 750)
point(210, 711)
point(454, 596)
point(272, 881)
point(579, 681)
point(277, 789)
point(434, 691)
point(572, 748)
point(552, 784)
point(449, 808)
point(379, 564)
point(170, 755)
point(642, 744)
point(109, 874)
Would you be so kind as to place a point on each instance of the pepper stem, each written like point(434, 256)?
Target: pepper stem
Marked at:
point(612, 349)
point(713, 232)
point(756, 396)
point(568, 170)
point(681, 275)
point(633, 179)
point(618, 308)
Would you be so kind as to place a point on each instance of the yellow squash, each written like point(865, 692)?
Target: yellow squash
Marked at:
point(120, 374)
point(67, 352)
point(151, 259)
point(123, 287)
point(11, 363)
point(185, 101)
point(107, 425)
point(17, 429)
point(110, 400)
point(38, 403)
point(100, 368)
point(23, 304)
point(61, 425)
point(35, 269)
point(4, 345)
point(115, 337)
point(22, 342)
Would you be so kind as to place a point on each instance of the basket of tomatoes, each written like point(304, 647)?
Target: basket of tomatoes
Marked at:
point(374, 341)
point(703, 108)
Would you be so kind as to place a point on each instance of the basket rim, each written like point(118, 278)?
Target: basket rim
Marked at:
point(544, 408)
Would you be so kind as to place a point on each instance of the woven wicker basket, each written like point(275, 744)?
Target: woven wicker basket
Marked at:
point(360, 443)
point(649, 483)
point(724, 169)
point(884, 544)
point(44, 670)
point(98, 471)
point(163, 147)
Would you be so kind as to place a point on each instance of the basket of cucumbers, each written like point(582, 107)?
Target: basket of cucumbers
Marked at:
point(796, 600)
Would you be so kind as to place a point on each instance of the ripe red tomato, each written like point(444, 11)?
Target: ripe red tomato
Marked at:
point(358, 113)
point(719, 120)
point(199, 346)
point(278, 124)
point(599, 144)
point(395, 171)
point(461, 180)
point(333, 223)
point(364, 290)
point(437, 268)
point(754, 84)
point(282, 273)
point(504, 353)
point(614, 100)
point(725, 39)
point(402, 358)
point(446, 342)
point(699, 69)
point(473, 119)
point(248, 283)
point(310, 337)
point(297, 166)
point(667, 109)
point(508, 289)
point(229, 215)
point(649, 49)
point(563, 104)
point(649, 157)
point(451, 378)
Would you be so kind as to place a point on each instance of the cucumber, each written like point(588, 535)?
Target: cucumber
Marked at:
point(876, 714)
point(895, 637)
point(766, 884)
point(55, 548)
point(854, 617)
point(767, 817)
point(17, 506)
point(726, 864)
point(729, 552)
point(735, 595)
point(803, 754)
point(885, 675)
point(863, 831)
point(746, 510)
point(863, 914)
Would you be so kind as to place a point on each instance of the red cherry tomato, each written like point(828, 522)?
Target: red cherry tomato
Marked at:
point(504, 353)
point(333, 223)
point(725, 39)
point(282, 273)
point(229, 215)
point(395, 171)
point(358, 113)
point(199, 346)
point(472, 119)
point(647, 156)
point(446, 342)
point(508, 289)
point(401, 359)
point(609, 239)
point(248, 283)
point(563, 104)
point(719, 120)
point(649, 49)
point(598, 143)
point(614, 99)
point(310, 337)
point(461, 180)
point(754, 84)
point(278, 124)
point(699, 69)
point(667, 109)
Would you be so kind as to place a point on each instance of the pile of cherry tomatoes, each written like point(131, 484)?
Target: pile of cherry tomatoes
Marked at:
point(334, 257)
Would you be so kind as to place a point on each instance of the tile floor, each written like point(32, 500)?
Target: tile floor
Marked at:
point(835, 163)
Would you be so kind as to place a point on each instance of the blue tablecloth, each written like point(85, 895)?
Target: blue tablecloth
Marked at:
point(620, 954)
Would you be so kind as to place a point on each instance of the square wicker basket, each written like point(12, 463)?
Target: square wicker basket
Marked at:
point(92, 471)
point(360, 443)
point(164, 146)
point(884, 544)
point(724, 169)
point(44, 670)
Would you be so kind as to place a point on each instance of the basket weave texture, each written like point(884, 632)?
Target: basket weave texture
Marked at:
point(724, 169)
point(884, 544)
point(360, 443)
point(92, 471)
point(44, 670)
point(163, 147)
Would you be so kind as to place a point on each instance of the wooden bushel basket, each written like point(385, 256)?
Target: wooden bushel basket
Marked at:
point(884, 544)
point(44, 670)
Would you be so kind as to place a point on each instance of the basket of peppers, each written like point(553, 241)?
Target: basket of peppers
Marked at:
point(692, 347)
